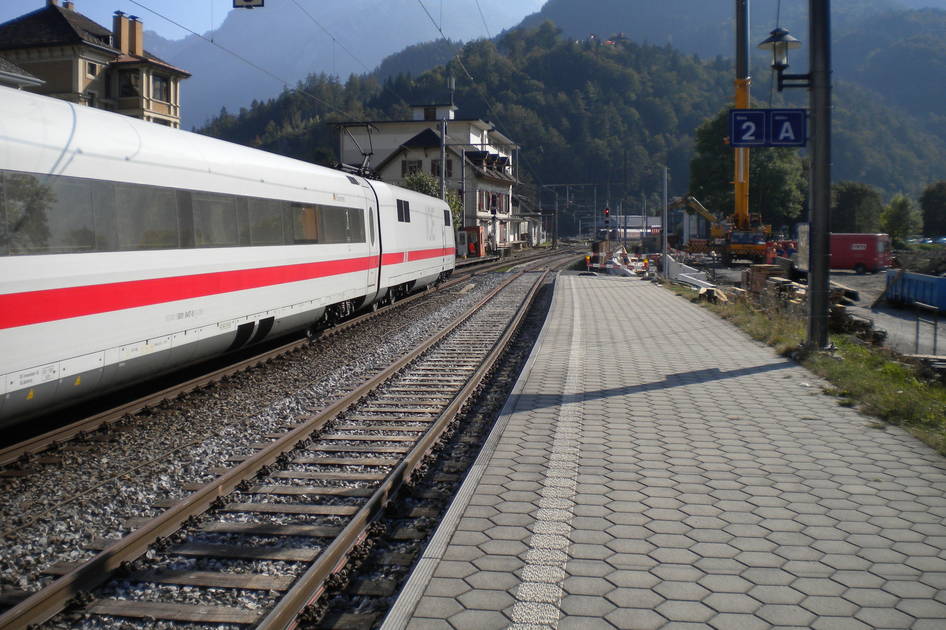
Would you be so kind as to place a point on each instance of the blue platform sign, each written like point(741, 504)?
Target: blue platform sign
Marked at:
point(747, 127)
point(767, 128)
point(787, 128)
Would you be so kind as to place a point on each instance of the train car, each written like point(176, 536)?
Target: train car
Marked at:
point(128, 249)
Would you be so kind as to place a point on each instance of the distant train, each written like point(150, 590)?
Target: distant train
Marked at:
point(128, 249)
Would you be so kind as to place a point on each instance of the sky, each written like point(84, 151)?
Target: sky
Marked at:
point(198, 15)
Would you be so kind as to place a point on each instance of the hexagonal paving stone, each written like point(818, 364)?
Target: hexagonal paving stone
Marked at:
point(636, 618)
point(635, 598)
point(574, 622)
point(437, 607)
point(825, 606)
point(785, 615)
point(492, 580)
point(486, 600)
point(884, 618)
point(632, 579)
point(685, 611)
point(734, 621)
point(776, 594)
point(586, 606)
point(479, 619)
point(587, 586)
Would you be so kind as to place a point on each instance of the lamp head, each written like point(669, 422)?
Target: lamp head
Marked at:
point(780, 41)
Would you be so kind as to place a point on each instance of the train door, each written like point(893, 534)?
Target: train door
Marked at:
point(449, 243)
point(374, 246)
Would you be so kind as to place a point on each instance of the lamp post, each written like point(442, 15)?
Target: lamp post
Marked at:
point(818, 82)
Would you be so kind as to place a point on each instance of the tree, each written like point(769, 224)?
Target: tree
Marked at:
point(423, 183)
point(933, 204)
point(900, 219)
point(855, 207)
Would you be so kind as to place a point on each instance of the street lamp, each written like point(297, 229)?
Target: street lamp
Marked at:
point(780, 41)
point(818, 82)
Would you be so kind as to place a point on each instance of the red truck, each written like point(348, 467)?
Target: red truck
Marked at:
point(861, 252)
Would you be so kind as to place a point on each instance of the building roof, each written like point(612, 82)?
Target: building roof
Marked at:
point(426, 139)
point(10, 73)
point(149, 58)
point(57, 26)
point(52, 26)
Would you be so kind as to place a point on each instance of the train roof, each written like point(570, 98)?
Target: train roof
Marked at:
point(43, 135)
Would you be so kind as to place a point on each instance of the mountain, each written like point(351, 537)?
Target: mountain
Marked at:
point(610, 112)
point(286, 45)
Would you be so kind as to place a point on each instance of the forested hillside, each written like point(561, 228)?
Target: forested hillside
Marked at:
point(587, 111)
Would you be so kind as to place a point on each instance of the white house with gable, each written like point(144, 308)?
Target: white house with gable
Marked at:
point(480, 165)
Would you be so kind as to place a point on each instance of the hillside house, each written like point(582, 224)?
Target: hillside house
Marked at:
point(480, 165)
point(80, 61)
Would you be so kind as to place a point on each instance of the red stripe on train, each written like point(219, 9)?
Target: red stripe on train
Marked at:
point(35, 307)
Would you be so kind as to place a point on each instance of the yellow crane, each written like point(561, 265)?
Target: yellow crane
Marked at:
point(747, 235)
point(725, 240)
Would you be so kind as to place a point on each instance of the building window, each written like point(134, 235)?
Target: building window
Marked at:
point(408, 167)
point(90, 99)
point(129, 84)
point(430, 113)
point(91, 69)
point(161, 88)
point(435, 168)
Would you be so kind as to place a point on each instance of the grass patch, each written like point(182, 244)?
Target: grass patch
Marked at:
point(876, 381)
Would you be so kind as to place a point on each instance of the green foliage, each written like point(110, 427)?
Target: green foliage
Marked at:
point(933, 204)
point(855, 207)
point(428, 185)
point(901, 219)
point(777, 183)
point(606, 111)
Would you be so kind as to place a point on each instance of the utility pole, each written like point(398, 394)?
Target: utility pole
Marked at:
point(819, 17)
point(664, 247)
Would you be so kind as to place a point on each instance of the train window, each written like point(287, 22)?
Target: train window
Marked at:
point(266, 221)
point(103, 202)
point(47, 214)
point(215, 221)
point(356, 225)
point(371, 224)
point(146, 217)
point(446, 218)
point(334, 224)
point(403, 211)
point(304, 220)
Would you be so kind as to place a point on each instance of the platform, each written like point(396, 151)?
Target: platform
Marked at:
point(656, 468)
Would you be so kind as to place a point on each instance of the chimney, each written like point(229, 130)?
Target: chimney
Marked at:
point(120, 34)
point(69, 6)
point(136, 45)
point(52, 3)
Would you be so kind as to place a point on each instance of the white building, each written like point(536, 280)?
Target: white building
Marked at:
point(480, 164)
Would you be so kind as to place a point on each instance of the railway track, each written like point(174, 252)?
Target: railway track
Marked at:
point(32, 447)
point(304, 499)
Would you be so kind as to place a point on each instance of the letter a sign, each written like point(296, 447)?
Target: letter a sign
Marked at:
point(787, 128)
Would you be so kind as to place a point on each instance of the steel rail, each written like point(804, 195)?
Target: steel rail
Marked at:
point(49, 601)
point(40, 443)
point(310, 585)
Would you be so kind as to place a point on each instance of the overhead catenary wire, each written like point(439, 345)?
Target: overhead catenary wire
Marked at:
point(483, 18)
point(478, 86)
point(255, 66)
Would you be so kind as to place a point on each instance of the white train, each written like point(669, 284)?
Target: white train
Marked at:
point(128, 249)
